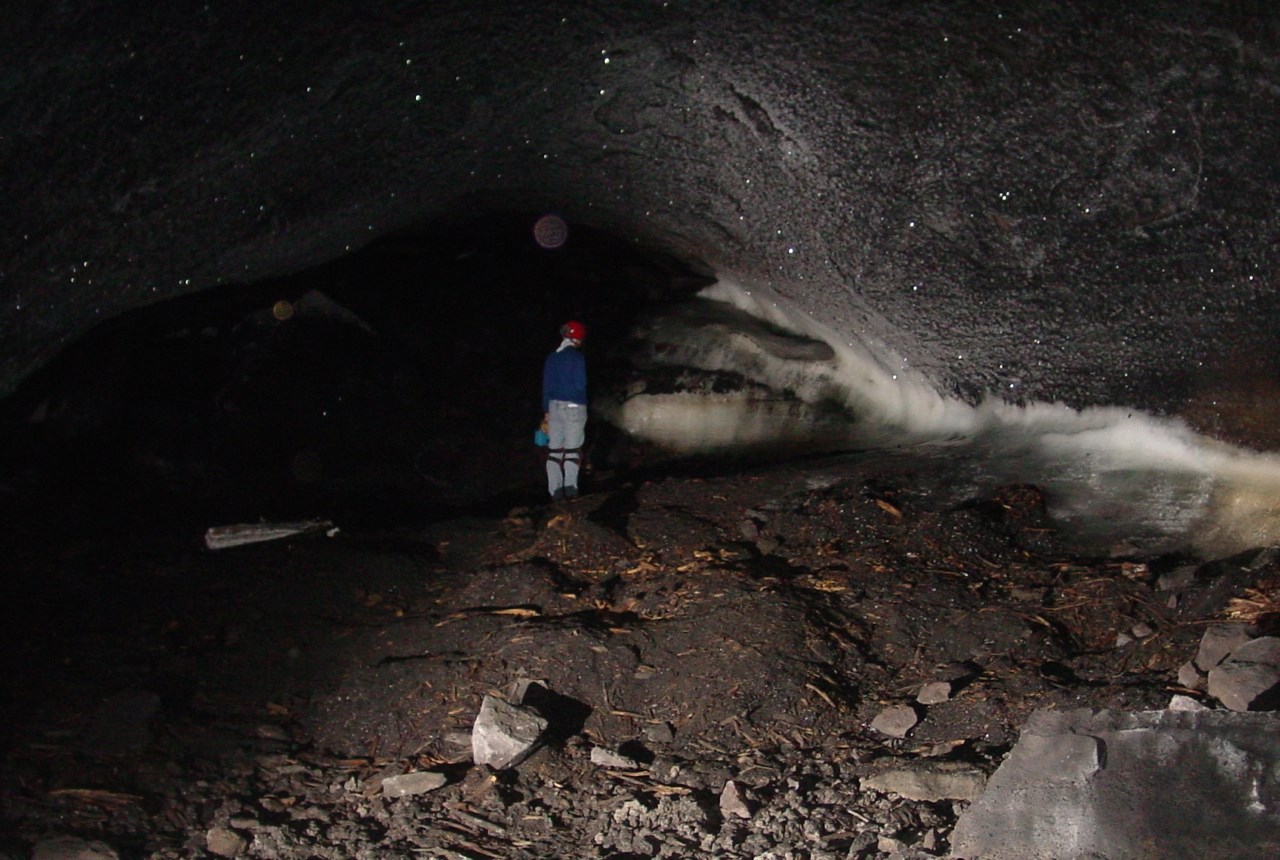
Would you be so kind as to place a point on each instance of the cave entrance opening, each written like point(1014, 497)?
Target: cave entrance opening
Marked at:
point(395, 384)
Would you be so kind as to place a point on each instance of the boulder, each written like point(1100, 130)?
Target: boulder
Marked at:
point(504, 734)
point(1218, 641)
point(1249, 678)
point(1113, 784)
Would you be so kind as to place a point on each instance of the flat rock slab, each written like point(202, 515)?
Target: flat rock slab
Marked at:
point(941, 781)
point(1248, 679)
point(895, 721)
point(1114, 785)
point(409, 784)
point(934, 693)
point(1220, 640)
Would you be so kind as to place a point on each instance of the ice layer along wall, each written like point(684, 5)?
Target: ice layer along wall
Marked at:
point(1111, 473)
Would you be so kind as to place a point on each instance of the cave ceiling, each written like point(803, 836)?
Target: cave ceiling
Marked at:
point(1070, 201)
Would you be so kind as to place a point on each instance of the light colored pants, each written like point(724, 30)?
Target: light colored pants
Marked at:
point(566, 431)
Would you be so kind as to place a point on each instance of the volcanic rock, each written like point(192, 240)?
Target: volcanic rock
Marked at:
point(505, 734)
point(1248, 679)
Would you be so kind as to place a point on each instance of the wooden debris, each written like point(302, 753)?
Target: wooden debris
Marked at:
point(474, 821)
point(889, 509)
point(824, 696)
point(1257, 606)
point(98, 796)
point(223, 537)
point(510, 611)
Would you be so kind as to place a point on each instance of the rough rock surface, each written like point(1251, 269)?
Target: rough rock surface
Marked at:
point(948, 781)
point(1218, 641)
point(1248, 679)
point(504, 734)
point(297, 678)
point(1131, 785)
point(1053, 201)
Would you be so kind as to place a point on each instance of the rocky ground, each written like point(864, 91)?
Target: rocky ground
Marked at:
point(731, 666)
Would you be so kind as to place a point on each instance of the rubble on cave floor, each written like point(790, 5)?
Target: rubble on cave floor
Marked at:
point(776, 661)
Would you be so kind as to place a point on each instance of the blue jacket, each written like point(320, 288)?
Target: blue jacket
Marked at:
point(564, 377)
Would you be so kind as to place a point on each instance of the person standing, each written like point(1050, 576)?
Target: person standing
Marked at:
point(564, 408)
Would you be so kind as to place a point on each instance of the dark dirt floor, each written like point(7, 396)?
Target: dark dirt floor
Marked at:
point(171, 701)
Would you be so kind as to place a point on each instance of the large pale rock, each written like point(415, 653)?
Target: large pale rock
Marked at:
point(1218, 641)
point(1249, 678)
point(1111, 785)
point(504, 734)
point(931, 783)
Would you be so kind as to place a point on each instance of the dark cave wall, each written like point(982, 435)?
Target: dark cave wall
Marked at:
point(1054, 201)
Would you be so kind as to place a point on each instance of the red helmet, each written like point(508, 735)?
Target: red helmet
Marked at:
point(573, 330)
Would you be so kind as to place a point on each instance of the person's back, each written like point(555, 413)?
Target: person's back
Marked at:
point(565, 378)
